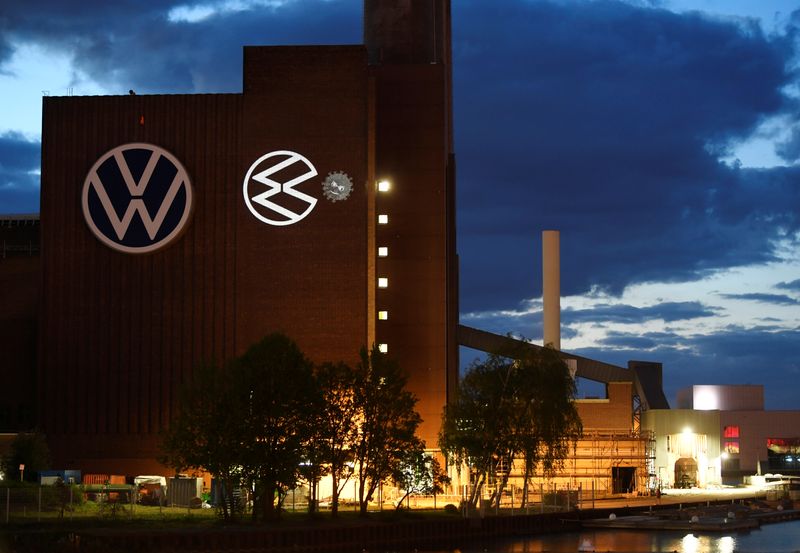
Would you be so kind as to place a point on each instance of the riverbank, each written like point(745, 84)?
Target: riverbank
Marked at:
point(408, 531)
point(371, 534)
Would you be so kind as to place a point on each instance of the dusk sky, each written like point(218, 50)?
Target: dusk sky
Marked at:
point(661, 137)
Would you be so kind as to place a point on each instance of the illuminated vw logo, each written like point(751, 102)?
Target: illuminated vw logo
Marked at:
point(279, 172)
point(137, 198)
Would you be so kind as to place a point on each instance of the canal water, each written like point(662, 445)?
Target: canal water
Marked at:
point(782, 537)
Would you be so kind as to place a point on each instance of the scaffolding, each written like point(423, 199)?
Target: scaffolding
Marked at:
point(604, 462)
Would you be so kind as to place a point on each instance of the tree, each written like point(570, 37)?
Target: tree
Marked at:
point(207, 433)
point(420, 473)
point(477, 427)
point(29, 449)
point(250, 423)
point(273, 382)
point(549, 424)
point(386, 422)
point(335, 430)
point(520, 405)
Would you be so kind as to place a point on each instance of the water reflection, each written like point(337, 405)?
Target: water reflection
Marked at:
point(773, 538)
point(691, 544)
point(727, 544)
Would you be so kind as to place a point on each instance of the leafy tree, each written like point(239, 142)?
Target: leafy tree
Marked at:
point(250, 423)
point(207, 433)
point(273, 383)
point(507, 407)
point(420, 473)
point(547, 422)
point(29, 449)
point(334, 428)
point(386, 422)
point(477, 428)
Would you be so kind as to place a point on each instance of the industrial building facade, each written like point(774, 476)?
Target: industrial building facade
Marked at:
point(320, 202)
point(721, 434)
point(180, 229)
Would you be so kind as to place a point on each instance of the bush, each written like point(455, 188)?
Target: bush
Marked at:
point(57, 497)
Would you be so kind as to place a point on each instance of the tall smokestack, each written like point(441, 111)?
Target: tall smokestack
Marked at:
point(407, 31)
point(551, 288)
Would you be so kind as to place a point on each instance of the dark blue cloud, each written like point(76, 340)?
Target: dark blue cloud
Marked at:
point(794, 285)
point(134, 44)
point(629, 314)
point(600, 118)
point(770, 320)
point(789, 149)
point(645, 342)
point(605, 120)
point(525, 325)
point(736, 355)
point(777, 299)
point(19, 179)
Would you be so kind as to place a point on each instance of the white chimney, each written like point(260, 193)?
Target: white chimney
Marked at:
point(551, 288)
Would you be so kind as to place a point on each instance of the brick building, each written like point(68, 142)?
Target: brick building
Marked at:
point(183, 228)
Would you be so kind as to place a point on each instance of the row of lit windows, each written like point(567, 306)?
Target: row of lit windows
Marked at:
point(383, 251)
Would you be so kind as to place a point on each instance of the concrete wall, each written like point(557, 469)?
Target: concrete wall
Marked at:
point(685, 433)
point(706, 397)
point(754, 429)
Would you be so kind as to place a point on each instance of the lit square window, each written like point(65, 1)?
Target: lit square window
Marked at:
point(384, 186)
point(383, 219)
point(383, 348)
point(383, 282)
point(383, 315)
point(730, 432)
point(383, 251)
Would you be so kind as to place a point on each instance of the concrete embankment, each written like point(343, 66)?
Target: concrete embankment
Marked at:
point(422, 531)
point(710, 517)
point(324, 537)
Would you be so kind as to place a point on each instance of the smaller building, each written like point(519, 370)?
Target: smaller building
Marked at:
point(610, 458)
point(719, 434)
point(687, 452)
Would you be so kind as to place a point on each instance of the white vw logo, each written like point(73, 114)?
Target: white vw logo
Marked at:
point(138, 180)
point(297, 169)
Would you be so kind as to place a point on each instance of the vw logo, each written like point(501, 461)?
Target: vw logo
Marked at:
point(279, 172)
point(137, 198)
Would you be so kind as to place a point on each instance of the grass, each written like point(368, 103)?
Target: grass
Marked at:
point(92, 515)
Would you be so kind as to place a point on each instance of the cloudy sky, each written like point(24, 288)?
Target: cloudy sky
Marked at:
point(661, 137)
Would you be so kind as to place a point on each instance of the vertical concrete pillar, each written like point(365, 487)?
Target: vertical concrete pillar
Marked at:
point(551, 288)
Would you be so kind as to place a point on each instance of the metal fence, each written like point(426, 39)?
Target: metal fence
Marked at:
point(71, 502)
point(38, 503)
